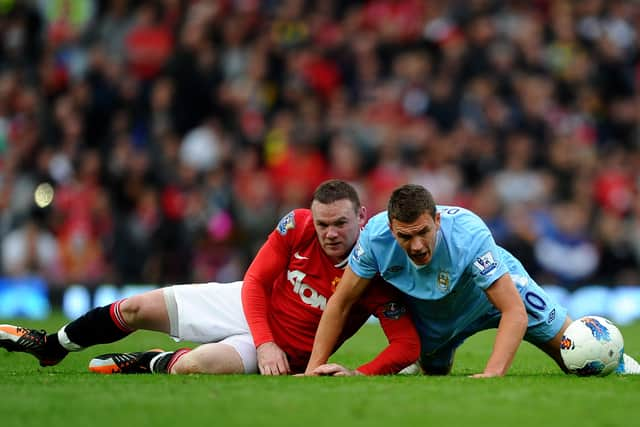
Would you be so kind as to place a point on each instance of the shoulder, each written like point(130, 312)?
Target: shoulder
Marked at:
point(294, 222)
point(455, 218)
point(296, 226)
point(378, 225)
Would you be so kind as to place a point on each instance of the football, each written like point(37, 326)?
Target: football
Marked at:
point(592, 345)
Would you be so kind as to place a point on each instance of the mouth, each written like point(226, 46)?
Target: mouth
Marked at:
point(332, 245)
point(421, 258)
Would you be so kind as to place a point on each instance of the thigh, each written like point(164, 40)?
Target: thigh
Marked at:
point(207, 312)
point(233, 355)
point(440, 361)
point(546, 316)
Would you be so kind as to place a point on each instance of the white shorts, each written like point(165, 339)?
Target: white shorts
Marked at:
point(211, 312)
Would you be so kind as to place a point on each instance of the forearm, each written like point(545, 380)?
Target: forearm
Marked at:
point(257, 287)
point(403, 348)
point(391, 360)
point(329, 329)
point(255, 306)
point(511, 330)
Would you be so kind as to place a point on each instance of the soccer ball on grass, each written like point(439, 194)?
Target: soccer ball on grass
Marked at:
point(592, 345)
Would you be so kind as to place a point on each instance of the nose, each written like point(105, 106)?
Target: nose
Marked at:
point(416, 245)
point(332, 232)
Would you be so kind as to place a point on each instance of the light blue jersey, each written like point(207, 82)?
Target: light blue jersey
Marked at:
point(446, 296)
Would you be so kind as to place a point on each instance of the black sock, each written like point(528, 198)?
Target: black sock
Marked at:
point(97, 326)
point(162, 363)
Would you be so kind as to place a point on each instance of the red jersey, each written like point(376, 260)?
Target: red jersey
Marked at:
point(286, 289)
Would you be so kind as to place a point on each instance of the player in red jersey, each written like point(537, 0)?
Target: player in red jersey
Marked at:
point(265, 325)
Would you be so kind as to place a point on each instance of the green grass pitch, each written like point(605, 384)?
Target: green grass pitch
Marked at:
point(535, 393)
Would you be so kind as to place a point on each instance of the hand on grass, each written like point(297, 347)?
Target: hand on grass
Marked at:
point(272, 360)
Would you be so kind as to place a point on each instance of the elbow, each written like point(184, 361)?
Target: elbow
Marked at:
point(520, 318)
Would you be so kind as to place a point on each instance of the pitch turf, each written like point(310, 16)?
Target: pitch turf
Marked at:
point(534, 393)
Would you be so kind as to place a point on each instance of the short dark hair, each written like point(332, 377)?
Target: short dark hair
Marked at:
point(334, 190)
point(410, 201)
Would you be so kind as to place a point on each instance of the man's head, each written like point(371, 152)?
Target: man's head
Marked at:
point(337, 217)
point(414, 221)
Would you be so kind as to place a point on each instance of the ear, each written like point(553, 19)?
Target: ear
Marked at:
point(362, 216)
point(391, 228)
point(437, 220)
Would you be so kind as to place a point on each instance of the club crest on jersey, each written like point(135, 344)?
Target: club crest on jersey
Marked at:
point(358, 251)
point(486, 264)
point(444, 281)
point(286, 223)
point(393, 310)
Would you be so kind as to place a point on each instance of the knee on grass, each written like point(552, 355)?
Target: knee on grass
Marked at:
point(209, 359)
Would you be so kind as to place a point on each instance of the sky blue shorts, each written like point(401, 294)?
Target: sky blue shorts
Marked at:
point(546, 317)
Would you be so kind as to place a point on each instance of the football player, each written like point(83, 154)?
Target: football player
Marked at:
point(457, 282)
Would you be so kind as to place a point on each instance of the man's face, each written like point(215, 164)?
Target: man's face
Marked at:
point(417, 238)
point(337, 226)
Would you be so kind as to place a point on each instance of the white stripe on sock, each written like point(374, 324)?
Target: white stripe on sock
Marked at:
point(152, 363)
point(66, 342)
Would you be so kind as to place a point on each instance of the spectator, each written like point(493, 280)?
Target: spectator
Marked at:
point(31, 249)
point(175, 132)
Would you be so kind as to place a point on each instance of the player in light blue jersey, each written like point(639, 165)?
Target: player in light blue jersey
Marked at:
point(458, 281)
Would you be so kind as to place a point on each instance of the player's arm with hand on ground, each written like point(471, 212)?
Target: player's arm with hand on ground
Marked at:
point(403, 347)
point(256, 293)
point(333, 320)
point(511, 329)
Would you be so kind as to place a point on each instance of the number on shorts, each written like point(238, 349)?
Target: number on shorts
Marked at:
point(535, 301)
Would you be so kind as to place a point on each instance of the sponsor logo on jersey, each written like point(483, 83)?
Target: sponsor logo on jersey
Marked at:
point(393, 310)
point(444, 281)
point(552, 317)
point(394, 268)
point(286, 223)
point(307, 294)
point(298, 256)
point(486, 264)
point(358, 252)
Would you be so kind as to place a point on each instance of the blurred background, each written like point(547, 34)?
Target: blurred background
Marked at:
point(145, 143)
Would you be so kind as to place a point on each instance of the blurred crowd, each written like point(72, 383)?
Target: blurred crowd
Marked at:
point(160, 141)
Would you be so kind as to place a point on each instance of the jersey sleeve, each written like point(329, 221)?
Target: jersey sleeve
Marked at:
point(267, 266)
point(480, 254)
point(403, 346)
point(361, 259)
